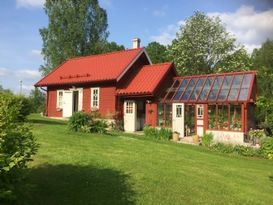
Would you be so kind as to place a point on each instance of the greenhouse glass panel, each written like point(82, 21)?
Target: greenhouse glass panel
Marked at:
point(206, 89)
point(245, 87)
point(197, 89)
point(235, 88)
point(189, 89)
point(215, 88)
point(172, 90)
point(181, 89)
point(225, 88)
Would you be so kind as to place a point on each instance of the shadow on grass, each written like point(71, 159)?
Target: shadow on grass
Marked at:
point(271, 178)
point(47, 122)
point(67, 184)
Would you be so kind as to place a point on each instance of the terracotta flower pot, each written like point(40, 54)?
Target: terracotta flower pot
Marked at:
point(195, 139)
point(175, 137)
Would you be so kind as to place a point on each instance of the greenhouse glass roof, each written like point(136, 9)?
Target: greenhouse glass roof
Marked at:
point(212, 88)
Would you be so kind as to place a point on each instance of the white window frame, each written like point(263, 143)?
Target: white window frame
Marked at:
point(129, 107)
point(58, 99)
point(92, 98)
point(200, 111)
point(178, 110)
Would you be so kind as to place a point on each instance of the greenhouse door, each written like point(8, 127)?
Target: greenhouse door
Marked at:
point(200, 120)
point(178, 118)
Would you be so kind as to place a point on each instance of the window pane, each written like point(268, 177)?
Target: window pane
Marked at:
point(160, 115)
point(188, 91)
point(245, 87)
point(178, 110)
point(212, 117)
point(215, 89)
point(235, 87)
point(197, 89)
point(222, 117)
point(206, 89)
point(172, 90)
point(168, 113)
point(235, 115)
point(225, 88)
point(181, 89)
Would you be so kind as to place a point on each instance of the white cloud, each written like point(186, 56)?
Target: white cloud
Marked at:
point(36, 53)
point(168, 34)
point(28, 74)
point(250, 27)
point(30, 3)
point(4, 72)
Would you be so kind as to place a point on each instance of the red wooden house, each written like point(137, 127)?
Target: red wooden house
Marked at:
point(145, 93)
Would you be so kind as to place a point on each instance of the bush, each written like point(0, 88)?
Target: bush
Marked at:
point(165, 133)
point(246, 151)
point(17, 144)
point(267, 147)
point(83, 122)
point(207, 139)
point(221, 147)
point(78, 121)
point(98, 126)
point(159, 134)
point(237, 149)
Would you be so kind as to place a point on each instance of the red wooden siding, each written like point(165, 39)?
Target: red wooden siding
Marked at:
point(52, 104)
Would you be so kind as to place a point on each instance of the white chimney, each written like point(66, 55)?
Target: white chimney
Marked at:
point(136, 43)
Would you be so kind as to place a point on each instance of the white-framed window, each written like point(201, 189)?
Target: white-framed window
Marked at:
point(95, 98)
point(129, 109)
point(60, 94)
point(178, 110)
point(200, 111)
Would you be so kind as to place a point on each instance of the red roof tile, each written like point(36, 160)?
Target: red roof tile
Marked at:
point(146, 80)
point(94, 68)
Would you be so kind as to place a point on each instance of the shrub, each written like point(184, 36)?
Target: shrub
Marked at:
point(207, 139)
point(17, 144)
point(246, 151)
point(256, 135)
point(98, 126)
point(267, 147)
point(221, 147)
point(165, 133)
point(79, 120)
point(155, 133)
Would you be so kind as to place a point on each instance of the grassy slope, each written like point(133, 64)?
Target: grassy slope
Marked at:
point(73, 168)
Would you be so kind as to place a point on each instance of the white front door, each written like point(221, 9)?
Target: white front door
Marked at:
point(178, 118)
point(130, 116)
point(67, 103)
point(200, 120)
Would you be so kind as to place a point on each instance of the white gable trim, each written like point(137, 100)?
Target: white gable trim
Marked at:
point(136, 58)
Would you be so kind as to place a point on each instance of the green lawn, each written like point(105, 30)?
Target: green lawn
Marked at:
point(73, 168)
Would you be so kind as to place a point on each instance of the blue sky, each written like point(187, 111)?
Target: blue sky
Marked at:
point(250, 21)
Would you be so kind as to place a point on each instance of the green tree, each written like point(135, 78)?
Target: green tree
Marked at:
point(263, 63)
point(239, 60)
point(37, 99)
point(157, 52)
point(76, 28)
point(201, 44)
point(112, 46)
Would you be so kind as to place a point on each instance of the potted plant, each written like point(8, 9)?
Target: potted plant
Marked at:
point(176, 136)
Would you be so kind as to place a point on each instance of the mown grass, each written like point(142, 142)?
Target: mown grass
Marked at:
point(78, 168)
